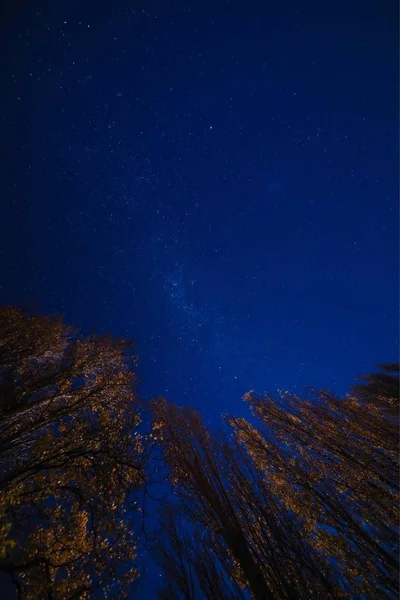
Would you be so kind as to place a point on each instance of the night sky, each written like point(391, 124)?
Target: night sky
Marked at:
point(216, 180)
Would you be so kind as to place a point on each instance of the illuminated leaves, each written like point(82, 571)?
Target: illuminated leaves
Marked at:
point(69, 459)
point(333, 463)
point(304, 507)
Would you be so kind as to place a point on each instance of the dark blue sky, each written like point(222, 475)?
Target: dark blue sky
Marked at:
point(217, 180)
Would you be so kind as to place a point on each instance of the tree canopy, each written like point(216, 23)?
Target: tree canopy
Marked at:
point(303, 506)
point(71, 459)
point(298, 501)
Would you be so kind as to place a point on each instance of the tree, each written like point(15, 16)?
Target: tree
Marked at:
point(192, 562)
point(249, 531)
point(304, 507)
point(380, 388)
point(71, 460)
point(335, 464)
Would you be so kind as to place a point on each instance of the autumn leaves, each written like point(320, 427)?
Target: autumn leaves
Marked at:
point(301, 502)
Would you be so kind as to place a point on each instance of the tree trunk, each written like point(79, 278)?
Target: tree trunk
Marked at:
point(239, 547)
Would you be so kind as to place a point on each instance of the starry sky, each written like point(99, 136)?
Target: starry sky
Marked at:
point(216, 180)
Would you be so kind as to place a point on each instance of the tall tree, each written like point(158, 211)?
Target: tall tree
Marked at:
point(249, 530)
point(306, 506)
point(71, 460)
point(335, 463)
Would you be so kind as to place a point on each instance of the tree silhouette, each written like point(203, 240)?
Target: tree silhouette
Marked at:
point(334, 463)
point(70, 460)
point(193, 565)
point(381, 388)
point(303, 505)
point(306, 506)
point(248, 529)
